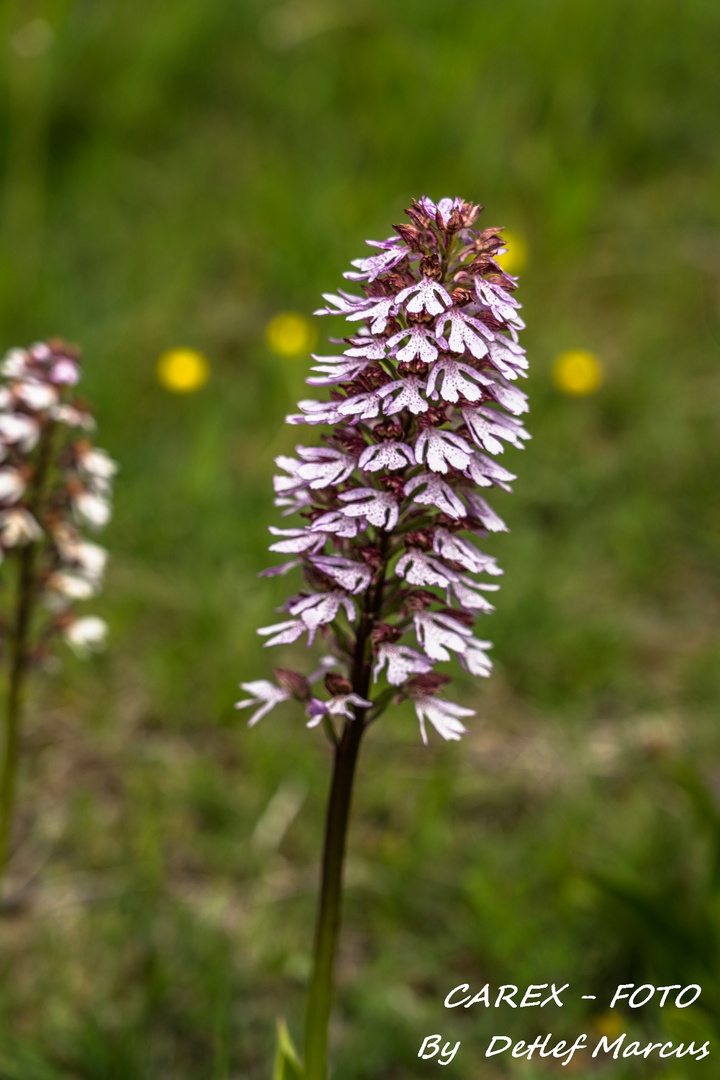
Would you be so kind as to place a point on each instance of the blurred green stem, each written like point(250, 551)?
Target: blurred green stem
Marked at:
point(20, 655)
point(16, 686)
point(345, 756)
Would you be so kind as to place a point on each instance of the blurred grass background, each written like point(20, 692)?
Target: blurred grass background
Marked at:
point(175, 174)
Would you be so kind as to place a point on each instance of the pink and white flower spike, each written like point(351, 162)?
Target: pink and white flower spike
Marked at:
point(421, 400)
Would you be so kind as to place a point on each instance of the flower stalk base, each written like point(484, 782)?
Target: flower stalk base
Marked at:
point(330, 908)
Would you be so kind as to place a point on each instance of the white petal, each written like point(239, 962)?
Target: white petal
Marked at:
point(409, 397)
point(86, 635)
point(386, 455)
point(284, 633)
point(437, 493)
point(402, 662)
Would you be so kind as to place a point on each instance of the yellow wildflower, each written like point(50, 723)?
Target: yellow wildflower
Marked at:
point(577, 373)
point(183, 371)
point(290, 334)
point(516, 255)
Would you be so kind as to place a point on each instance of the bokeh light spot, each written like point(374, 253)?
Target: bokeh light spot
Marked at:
point(183, 371)
point(609, 1024)
point(516, 256)
point(577, 373)
point(33, 39)
point(290, 334)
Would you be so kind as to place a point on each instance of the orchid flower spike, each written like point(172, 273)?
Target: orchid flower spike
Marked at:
point(423, 397)
point(54, 484)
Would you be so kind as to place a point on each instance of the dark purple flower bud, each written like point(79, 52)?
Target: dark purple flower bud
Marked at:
point(293, 683)
point(384, 633)
point(425, 685)
point(337, 684)
point(412, 235)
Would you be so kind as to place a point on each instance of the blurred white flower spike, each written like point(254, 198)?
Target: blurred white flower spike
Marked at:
point(423, 397)
point(53, 481)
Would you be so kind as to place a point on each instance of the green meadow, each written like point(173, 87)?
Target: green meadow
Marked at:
point(175, 174)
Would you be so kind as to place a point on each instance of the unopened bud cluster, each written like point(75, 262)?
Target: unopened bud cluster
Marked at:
point(53, 484)
point(422, 400)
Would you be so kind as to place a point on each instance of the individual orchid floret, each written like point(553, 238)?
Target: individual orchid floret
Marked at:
point(263, 694)
point(337, 369)
point(340, 705)
point(369, 269)
point(486, 472)
point(475, 658)
point(283, 633)
point(430, 490)
point(323, 466)
point(388, 455)
point(422, 397)
point(91, 508)
point(484, 512)
point(315, 412)
point(361, 407)
point(409, 395)
point(71, 585)
point(297, 540)
point(428, 295)
point(451, 380)
point(467, 334)
point(420, 569)
point(337, 524)
point(452, 547)
point(96, 465)
point(468, 594)
point(290, 684)
point(18, 526)
point(318, 609)
point(419, 343)
point(380, 508)
point(86, 635)
point(378, 315)
point(443, 450)
point(350, 574)
point(402, 662)
point(487, 427)
point(437, 633)
point(12, 485)
point(443, 715)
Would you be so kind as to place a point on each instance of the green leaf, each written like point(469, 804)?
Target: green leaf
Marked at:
point(287, 1061)
point(705, 806)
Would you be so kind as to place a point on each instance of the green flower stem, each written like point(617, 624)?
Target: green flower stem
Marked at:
point(329, 913)
point(345, 758)
point(15, 695)
point(27, 582)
